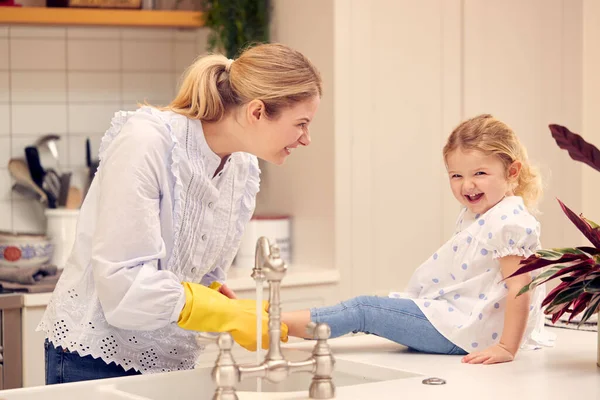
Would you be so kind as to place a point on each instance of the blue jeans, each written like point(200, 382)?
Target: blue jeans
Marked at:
point(399, 320)
point(64, 366)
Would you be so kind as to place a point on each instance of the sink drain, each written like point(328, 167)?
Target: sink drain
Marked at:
point(434, 381)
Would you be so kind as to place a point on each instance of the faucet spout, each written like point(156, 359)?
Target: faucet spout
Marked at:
point(269, 266)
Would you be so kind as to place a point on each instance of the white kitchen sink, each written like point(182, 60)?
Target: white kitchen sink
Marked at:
point(197, 384)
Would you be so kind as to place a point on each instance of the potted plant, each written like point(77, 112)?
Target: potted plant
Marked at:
point(578, 268)
point(234, 24)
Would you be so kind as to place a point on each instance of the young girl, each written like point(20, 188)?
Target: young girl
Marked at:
point(458, 302)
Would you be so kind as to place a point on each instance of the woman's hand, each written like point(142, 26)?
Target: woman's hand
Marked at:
point(492, 355)
point(224, 290)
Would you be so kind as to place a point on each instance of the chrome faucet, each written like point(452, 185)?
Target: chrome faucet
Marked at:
point(275, 368)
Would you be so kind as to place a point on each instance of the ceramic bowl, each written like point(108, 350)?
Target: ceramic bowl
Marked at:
point(24, 250)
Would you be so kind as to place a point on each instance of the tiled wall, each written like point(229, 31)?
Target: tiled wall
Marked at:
point(70, 81)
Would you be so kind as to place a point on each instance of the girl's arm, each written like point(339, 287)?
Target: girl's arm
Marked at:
point(516, 315)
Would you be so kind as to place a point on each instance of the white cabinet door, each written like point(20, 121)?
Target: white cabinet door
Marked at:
point(33, 347)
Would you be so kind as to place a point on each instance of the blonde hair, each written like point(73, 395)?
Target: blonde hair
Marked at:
point(492, 136)
point(273, 73)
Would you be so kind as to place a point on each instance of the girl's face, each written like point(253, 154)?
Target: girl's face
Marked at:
point(480, 181)
point(274, 139)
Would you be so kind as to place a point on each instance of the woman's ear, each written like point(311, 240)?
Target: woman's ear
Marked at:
point(256, 110)
point(514, 170)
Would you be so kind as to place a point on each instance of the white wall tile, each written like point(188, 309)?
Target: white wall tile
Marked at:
point(152, 34)
point(37, 54)
point(5, 216)
point(177, 78)
point(91, 118)
point(77, 157)
point(4, 119)
point(184, 34)
point(4, 56)
point(42, 32)
point(3, 30)
point(28, 216)
point(202, 41)
point(93, 55)
point(147, 56)
point(131, 105)
point(4, 87)
point(4, 151)
point(38, 87)
point(94, 86)
point(87, 32)
point(36, 119)
point(185, 54)
point(6, 182)
point(147, 86)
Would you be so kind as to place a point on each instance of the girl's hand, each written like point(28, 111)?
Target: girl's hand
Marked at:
point(492, 355)
point(224, 290)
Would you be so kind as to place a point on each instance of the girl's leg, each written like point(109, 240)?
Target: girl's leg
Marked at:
point(63, 366)
point(399, 320)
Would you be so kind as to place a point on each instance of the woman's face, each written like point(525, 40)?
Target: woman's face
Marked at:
point(274, 139)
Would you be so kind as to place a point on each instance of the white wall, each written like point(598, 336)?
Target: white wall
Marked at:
point(70, 81)
point(591, 105)
point(304, 186)
point(408, 73)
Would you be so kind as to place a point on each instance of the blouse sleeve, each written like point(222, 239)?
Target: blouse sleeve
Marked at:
point(515, 235)
point(127, 244)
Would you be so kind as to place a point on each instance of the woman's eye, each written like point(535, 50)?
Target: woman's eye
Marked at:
point(303, 125)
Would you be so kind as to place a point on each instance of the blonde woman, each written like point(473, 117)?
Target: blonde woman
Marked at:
point(456, 301)
point(164, 216)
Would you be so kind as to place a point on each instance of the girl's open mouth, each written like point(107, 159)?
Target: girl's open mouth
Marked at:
point(474, 198)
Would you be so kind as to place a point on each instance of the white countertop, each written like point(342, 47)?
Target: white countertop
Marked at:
point(566, 371)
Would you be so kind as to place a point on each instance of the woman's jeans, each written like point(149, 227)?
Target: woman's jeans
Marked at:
point(63, 366)
point(399, 320)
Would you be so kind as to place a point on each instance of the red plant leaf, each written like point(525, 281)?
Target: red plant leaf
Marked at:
point(592, 308)
point(532, 263)
point(593, 235)
point(578, 149)
point(550, 297)
point(580, 304)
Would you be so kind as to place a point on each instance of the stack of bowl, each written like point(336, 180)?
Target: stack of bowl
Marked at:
point(23, 250)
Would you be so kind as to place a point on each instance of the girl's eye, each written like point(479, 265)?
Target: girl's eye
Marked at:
point(480, 173)
point(456, 176)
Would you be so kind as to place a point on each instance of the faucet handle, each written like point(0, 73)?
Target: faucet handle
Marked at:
point(225, 373)
point(274, 250)
point(319, 331)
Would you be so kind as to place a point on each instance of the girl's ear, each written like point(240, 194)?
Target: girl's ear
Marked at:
point(514, 170)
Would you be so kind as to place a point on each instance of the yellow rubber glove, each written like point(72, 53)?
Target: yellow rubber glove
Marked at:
point(207, 310)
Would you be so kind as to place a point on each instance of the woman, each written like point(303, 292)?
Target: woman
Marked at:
point(163, 218)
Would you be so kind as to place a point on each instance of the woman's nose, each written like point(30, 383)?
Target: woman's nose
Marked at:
point(305, 139)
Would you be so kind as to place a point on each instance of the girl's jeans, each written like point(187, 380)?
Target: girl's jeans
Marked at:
point(399, 320)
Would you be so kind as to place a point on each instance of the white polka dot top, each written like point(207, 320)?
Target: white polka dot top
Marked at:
point(459, 287)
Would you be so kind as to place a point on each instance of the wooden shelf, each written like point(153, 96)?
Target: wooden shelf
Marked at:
point(100, 17)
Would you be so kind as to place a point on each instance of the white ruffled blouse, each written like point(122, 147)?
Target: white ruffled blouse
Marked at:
point(155, 215)
point(460, 289)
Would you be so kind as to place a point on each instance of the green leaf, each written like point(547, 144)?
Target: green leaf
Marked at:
point(592, 308)
point(592, 223)
point(569, 294)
